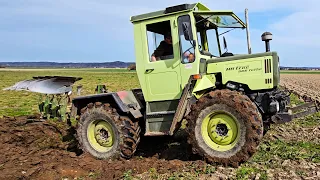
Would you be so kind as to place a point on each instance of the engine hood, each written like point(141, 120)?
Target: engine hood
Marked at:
point(258, 71)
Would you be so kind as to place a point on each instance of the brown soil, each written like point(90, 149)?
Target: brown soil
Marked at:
point(47, 150)
point(303, 84)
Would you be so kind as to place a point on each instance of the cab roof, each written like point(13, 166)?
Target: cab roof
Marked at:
point(170, 11)
point(197, 8)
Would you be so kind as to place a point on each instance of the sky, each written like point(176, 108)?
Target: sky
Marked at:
point(101, 31)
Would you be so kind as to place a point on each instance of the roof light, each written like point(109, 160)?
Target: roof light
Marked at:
point(177, 8)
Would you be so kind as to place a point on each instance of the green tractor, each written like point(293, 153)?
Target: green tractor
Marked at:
point(228, 100)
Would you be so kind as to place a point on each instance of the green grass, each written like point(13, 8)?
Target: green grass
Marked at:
point(127, 175)
point(280, 149)
point(309, 121)
point(16, 103)
point(298, 72)
point(295, 100)
point(250, 172)
point(270, 154)
point(68, 69)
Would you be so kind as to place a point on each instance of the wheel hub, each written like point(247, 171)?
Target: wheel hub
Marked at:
point(100, 135)
point(220, 131)
point(103, 136)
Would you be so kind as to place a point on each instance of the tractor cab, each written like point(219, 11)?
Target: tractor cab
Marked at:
point(180, 47)
point(173, 44)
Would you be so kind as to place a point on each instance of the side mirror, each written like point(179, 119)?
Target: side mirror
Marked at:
point(186, 31)
point(225, 46)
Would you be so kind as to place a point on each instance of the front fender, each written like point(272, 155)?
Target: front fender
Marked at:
point(207, 81)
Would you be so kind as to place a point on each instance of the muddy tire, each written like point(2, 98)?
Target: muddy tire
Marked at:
point(104, 134)
point(224, 127)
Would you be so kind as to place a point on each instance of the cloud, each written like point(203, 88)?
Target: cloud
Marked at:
point(295, 32)
point(90, 29)
point(300, 28)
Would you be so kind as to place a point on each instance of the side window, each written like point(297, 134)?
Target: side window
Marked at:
point(213, 42)
point(160, 41)
point(199, 41)
point(186, 45)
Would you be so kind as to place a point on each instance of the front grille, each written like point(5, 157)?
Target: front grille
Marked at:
point(268, 81)
point(267, 65)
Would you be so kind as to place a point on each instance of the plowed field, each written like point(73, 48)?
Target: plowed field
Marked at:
point(303, 84)
point(48, 150)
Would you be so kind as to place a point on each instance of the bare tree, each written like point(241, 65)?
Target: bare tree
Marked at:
point(132, 67)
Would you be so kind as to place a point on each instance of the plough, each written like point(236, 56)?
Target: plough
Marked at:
point(310, 106)
point(55, 94)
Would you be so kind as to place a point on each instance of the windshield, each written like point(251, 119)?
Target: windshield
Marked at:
point(208, 43)
point(207, 30)
point(220, 20)
point(223, 21)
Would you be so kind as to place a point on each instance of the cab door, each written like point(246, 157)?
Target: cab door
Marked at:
point(189, 54)
point(162, 77)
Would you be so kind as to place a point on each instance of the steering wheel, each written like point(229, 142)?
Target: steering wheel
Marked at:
point(188, 50)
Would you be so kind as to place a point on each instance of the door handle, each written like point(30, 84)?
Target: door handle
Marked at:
point(149, 70)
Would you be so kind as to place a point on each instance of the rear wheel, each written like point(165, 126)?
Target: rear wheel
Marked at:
point(225, 127)
point(104, 134)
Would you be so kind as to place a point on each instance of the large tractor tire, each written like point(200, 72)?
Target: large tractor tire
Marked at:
point(225, 127)
point(104, 134)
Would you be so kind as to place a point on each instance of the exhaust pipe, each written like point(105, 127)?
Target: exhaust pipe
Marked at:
point(266, 37)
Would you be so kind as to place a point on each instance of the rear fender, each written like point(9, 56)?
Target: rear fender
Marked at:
point(124, 101)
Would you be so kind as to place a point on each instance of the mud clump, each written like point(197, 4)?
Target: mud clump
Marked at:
point(30, 147)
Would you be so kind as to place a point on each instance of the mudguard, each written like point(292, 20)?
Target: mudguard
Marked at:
point(124, 101)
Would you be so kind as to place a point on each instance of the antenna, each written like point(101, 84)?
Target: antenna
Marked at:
point(248, 33)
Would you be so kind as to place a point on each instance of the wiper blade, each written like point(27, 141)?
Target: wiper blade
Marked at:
point(227, 31)
point(205, 18)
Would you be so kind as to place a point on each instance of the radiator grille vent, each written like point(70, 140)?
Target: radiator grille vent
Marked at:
point(268, 81)
point(267, 65)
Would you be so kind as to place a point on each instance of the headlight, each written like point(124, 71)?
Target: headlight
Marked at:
point(274, 107)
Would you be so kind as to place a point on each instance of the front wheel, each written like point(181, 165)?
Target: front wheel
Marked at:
point(225, 127)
